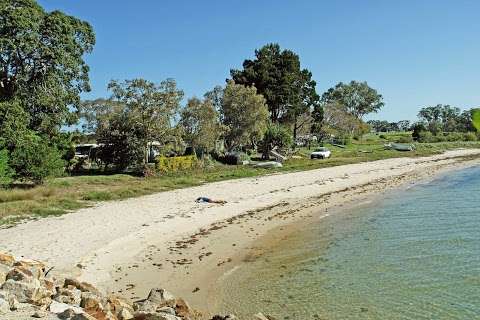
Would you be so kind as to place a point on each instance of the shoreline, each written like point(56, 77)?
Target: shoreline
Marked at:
point(287, 220)
point(166, 240)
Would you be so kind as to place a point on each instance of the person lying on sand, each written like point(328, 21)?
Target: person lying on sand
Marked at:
point(205, 199)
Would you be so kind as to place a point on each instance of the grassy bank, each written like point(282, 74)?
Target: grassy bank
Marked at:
point(60, 195)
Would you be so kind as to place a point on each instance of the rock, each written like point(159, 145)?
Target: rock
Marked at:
point(37, 268)
point(182, 308)
point(7, 259)
point(4, 306)
point(58, 308)
point(28, 292)
point(93, 305)
point(160, 296)
point(168, 310)
point(120, 308)
point(4, 270)
point(82, 286)
point(39, 314)
point(145, 306)
point(155, 316)
point(20, 274)
point(125, 314)
point(70, 295)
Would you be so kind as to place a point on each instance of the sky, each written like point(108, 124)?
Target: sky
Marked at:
point(416, 53)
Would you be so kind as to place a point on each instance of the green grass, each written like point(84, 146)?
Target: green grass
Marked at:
point(61, 195)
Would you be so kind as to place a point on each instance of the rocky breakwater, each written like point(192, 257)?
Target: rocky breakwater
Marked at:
point(27, 291)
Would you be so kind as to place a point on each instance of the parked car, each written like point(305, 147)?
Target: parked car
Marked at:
point(320, 153)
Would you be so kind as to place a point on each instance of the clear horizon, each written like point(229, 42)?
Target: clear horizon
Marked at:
point(415, 53)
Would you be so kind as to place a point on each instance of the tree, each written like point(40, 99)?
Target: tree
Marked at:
point(150, 108)
point(115, 131)
point(403, 125)
point(200, 124)
point(276, 135)
point(244, 114)
point(440, 118)
point(358, 98)
point(289, 90)
point(42, 66)
point(36, 159)
point(339, 122)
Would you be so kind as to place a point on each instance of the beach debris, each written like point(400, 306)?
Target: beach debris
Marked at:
point(209, 200)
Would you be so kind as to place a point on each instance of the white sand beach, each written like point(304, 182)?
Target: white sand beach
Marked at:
point(169, 240)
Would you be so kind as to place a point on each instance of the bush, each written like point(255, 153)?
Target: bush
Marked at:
point(405, 139)
point(174, 164)
point(35, 159)
point(6, 173)
point(470, 136)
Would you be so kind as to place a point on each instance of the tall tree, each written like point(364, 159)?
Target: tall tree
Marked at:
point(441, 118)
point(200, 124)
point(358, 98)
point(277, 75)
point(152, 107)
point(244, 114)
point(42, 65)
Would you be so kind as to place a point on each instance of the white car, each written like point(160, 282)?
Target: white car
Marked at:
point(320, 153)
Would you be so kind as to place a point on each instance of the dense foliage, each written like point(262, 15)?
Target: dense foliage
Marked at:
point(288, 89)
point(42, 76)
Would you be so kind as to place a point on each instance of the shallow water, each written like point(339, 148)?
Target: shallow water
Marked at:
point(414, 254)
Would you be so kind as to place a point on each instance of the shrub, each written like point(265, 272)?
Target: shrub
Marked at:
point(470, 136)
point(454, 136)
point(6, 173)
point(35, 159)
point(174, 164)
point(405, 139)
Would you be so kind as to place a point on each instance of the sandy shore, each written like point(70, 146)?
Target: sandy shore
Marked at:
point(168, 240)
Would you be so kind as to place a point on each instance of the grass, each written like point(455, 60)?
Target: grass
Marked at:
point(60, 195)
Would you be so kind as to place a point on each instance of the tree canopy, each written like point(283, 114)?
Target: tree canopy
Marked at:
point(200, 124)
point(358, 98)
point(244, 114)
point(42, 65)
point(289, 90)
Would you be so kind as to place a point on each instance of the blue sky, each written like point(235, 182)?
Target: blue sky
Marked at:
point(415, 53)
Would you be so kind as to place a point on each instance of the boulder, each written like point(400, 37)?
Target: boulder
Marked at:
point(58, 307)
point(168, 310)
point(20, 274)
point(82, 286)
point(160, 296)
point(28, 292)
point(4, 270)
point(37, 268)
point(120, 308)
point(155, 316)
point(7, 259)
point(39, 314)
point(182, 309)
point(4, 306)
point(70, 295)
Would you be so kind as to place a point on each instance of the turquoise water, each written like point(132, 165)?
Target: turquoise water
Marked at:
point(414, 254)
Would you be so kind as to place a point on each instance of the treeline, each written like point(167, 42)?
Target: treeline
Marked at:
point(270, 102)
point(436, 124)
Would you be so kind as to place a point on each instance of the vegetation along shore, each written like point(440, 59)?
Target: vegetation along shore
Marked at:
point(102, 190)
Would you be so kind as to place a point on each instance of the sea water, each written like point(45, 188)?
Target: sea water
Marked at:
point(412, 254)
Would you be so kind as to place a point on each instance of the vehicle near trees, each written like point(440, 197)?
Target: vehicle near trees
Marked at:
point(320, 153)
